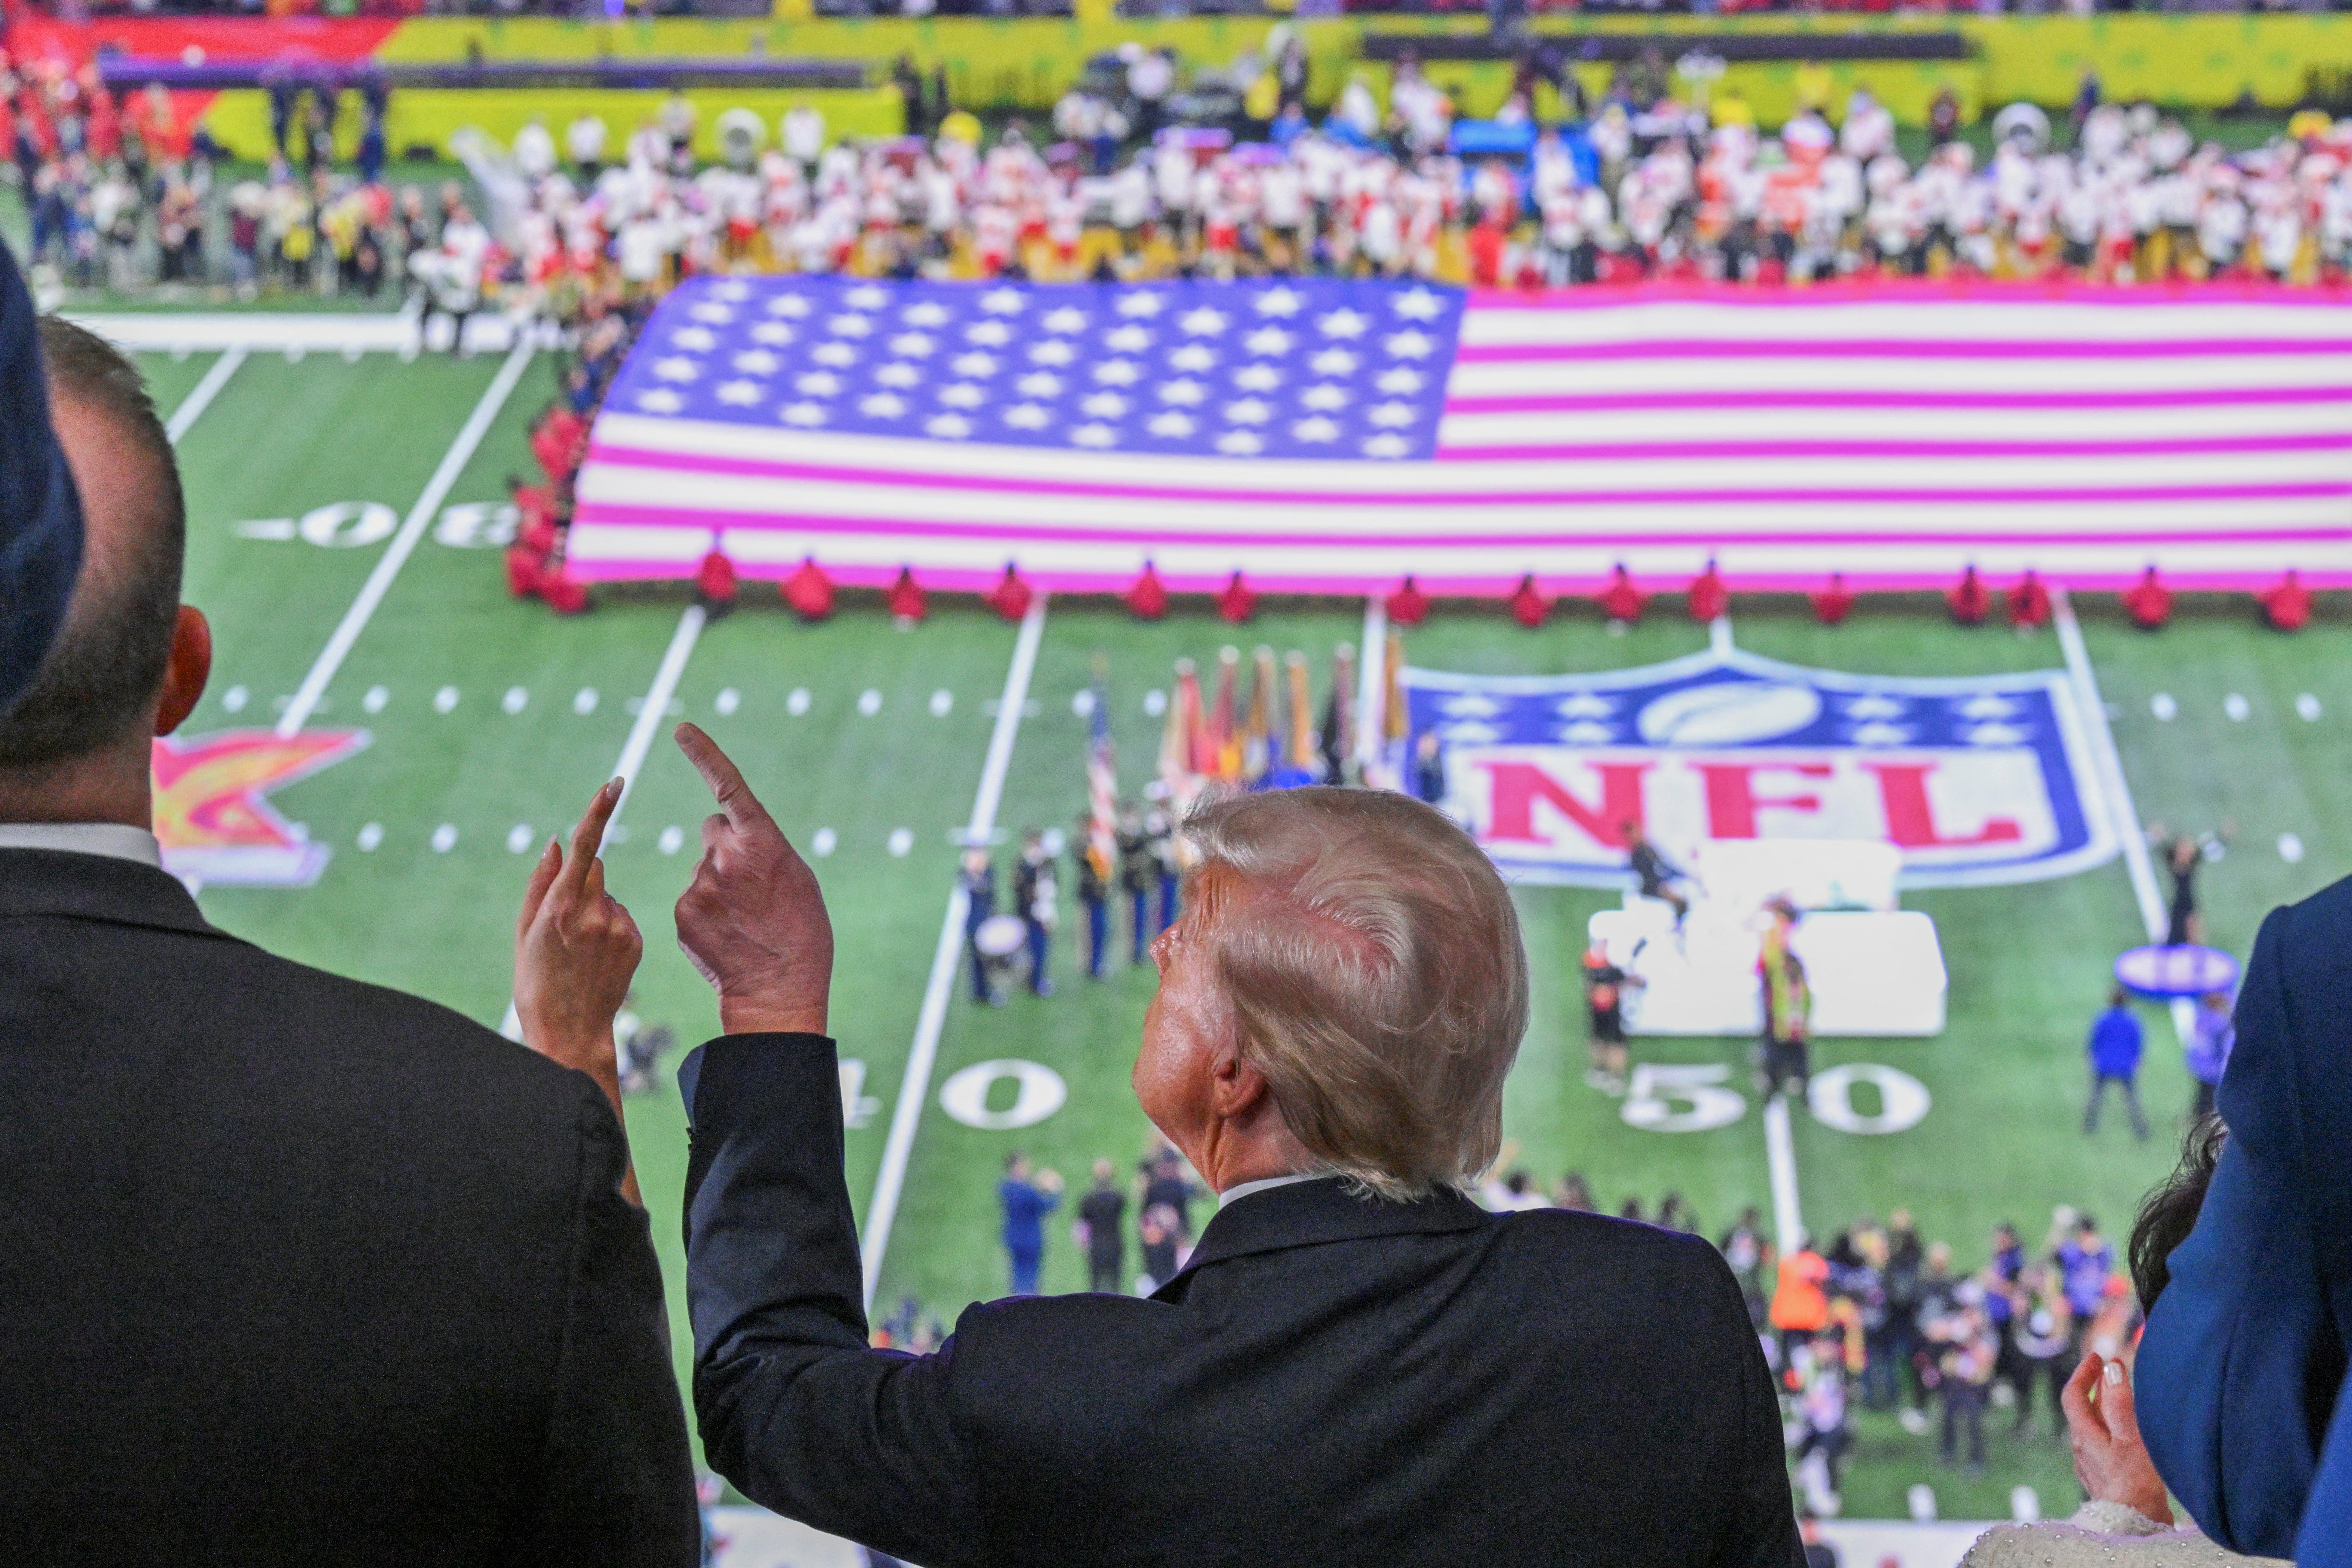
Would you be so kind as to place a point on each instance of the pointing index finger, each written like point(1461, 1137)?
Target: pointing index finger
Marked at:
point(589, 836)
point(720, 775)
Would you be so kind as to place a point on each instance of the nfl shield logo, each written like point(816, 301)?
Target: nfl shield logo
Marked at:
point(1975, 781)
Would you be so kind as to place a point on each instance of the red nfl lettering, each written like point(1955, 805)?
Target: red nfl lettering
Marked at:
point(1911, 817)
point(1517, 786)
point(1732, 802)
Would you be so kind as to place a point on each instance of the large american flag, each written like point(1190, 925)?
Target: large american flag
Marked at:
point(1335, 436)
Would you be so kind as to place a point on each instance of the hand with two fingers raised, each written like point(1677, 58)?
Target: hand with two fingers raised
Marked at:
point(753, 919)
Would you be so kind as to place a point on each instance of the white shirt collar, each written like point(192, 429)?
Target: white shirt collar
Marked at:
point(1244, 1189)
point(112, 839)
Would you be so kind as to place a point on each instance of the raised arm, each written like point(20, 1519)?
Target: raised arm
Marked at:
point(794, 1407)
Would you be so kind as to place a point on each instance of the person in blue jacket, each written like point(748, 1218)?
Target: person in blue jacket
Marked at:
point(40, 513)
point(1027, 1201)
point(2116, 1047)
point(2242, 1374)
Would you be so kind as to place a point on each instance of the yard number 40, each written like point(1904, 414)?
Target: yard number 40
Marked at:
point(1666, 1097)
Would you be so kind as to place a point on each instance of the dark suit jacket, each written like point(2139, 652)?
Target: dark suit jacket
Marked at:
point(1332, 1380)
point(298, 1270)
point(2241, 1376)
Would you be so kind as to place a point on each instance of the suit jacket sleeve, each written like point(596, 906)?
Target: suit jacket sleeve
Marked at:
point(794, 1407)
point(40, 513)
point(1765, 1532)
point(619, 1475)
point(2226, 1371)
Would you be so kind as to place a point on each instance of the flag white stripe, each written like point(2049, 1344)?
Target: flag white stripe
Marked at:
point(705, 501)
point(774, 553)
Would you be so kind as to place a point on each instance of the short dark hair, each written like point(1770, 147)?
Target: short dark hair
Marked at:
point(103, 671)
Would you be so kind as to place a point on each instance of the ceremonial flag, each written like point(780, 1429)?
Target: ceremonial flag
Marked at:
point(1338, 435)
point(1102, 784)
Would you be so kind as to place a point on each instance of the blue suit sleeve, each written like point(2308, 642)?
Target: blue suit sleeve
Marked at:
point(2227, 1374)
point(40, 514)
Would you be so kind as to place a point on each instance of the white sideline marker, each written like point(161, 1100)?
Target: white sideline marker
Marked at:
point(915, 1088)
point(650, 713)
point(200, 396)
point(403, 543)
point(2108, 771)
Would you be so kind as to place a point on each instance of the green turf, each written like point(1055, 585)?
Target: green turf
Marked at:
point(2028, 964)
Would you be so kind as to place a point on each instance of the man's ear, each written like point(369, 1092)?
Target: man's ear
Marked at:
point(187, 669)
point(1237, 1087)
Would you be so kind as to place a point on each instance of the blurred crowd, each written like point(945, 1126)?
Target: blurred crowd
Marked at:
point(1145, 173)
point(1881, 1319)
point(1635, 189)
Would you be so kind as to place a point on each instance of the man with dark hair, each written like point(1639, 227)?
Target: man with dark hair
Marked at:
point(40, 516)
point(320, 1271)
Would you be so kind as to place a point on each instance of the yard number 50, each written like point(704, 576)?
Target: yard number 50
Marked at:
point(1666, 1097)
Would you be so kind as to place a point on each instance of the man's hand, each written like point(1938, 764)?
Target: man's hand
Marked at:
point(576, 950)
point(753, 917)
point(2109, 1460)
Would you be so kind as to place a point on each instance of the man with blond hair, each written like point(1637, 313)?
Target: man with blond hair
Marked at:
point(1333, 1373)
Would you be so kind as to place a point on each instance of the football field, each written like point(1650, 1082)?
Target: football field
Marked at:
point(399, 712)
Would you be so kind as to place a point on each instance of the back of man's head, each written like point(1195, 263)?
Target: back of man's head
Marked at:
point(1373, 961)
point(99, 682)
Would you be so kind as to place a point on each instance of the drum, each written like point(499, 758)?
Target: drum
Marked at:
point(1000, 936)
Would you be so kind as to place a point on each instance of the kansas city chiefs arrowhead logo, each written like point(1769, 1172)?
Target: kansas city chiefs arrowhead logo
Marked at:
point(210, 811)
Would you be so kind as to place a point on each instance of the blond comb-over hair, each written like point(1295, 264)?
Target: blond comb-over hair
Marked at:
point(1374, 961)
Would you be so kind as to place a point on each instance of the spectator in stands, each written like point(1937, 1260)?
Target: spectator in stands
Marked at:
point(1027, 1199)
point(2042, 1328)
point(2211, 1037)
point(40, 513)
point(2085, 1262)
point(2126, 1519)
point(1800, 1307)
point(1966, 1356)
point(2115, 1045)
point(2258, 1443)
point(1337, 1013)
point(1164, 1184)
point(341, 1266)
point(1103, 1214)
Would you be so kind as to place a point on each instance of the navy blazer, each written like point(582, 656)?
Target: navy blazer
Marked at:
point(2241, 1373)
point(40, 511)
point(1331, 1380)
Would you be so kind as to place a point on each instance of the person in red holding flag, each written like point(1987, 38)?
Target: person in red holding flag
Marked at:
point(1968, 599)
point(2028, 604)
point(2286, 607)
point(2150, 601)
point(1620, 600)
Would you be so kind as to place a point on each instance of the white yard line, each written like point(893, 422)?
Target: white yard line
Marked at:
point(2115, 789)
point(640, 742)
point(1780, 1165)
point(1373, 655)
point(657, 701)
point(201, 396)
point(403, 543)
point(915, 1088)
point(1718, 634)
